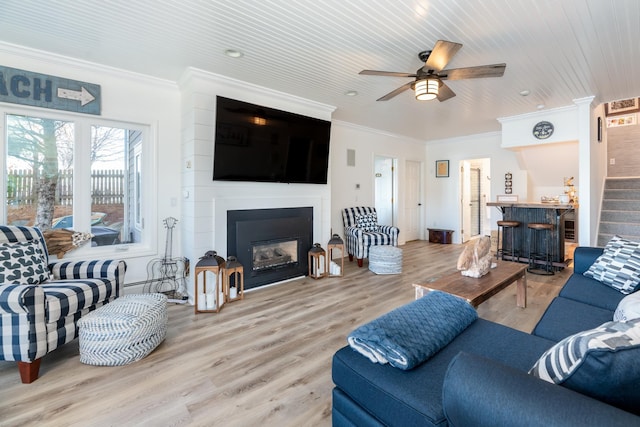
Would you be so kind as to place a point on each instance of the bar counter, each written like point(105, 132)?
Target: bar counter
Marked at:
point(529, 212)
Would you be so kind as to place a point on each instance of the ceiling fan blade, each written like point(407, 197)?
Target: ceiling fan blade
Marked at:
point(445, 92)
point(441, 54)
point(386, 73)
point(395, 92)
point(493, 70)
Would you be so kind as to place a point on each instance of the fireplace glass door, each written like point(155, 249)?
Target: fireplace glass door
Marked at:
point(274, 254)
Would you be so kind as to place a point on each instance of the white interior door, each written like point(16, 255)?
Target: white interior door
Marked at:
point(412, 201)
point(384, 189)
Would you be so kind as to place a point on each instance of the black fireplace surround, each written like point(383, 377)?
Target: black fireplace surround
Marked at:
point(251, 228)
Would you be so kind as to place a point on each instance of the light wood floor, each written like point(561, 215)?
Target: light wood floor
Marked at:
point(262, 361)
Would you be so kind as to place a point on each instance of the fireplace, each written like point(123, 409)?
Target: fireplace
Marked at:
point(271, 244)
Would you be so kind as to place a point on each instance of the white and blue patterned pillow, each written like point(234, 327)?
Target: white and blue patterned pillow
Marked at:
point(618, 266)
point(367, 222)
point(628, 308)
point(22, 263)
point(601, 363)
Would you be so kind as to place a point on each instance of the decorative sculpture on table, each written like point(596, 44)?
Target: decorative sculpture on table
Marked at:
point(167, 275)
point(475, 260)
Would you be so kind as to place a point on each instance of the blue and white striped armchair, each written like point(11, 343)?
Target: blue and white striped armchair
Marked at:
point(361, 230)
point(41, 302)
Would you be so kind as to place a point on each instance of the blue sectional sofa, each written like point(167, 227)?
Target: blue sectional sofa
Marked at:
point(481, 377)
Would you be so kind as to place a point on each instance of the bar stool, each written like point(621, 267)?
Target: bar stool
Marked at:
point(500, 250)
point(535, 254)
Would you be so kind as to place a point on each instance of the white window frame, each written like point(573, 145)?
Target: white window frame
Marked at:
point(82, 167)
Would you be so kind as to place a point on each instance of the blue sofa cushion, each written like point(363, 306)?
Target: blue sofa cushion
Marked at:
point(618, 266)
point(412, 398)
point(480, 392)
point(412, 333)
point(584, 256)
point(565, 317)
point(601, 362)
point(592, 292)
point(22, 263)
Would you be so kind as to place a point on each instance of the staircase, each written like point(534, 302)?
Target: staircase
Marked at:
point(620, 214)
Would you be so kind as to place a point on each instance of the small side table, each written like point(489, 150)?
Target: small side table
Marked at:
point(440, 235)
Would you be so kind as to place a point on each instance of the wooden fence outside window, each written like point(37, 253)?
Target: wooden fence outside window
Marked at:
point(107, 187)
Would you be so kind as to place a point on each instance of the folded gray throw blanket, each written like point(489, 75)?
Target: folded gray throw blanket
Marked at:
point(410, 334)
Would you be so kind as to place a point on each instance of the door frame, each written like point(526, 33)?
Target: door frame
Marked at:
point(485, 194)
point(394, 186)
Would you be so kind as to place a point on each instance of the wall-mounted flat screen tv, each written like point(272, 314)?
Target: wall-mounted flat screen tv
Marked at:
point(256, 143)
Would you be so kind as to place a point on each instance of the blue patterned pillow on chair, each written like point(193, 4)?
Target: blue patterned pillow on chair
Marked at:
point(22, 263)
point(368, 222)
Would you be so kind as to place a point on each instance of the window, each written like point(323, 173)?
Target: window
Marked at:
point(80, 173)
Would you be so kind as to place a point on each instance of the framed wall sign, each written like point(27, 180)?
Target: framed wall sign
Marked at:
point(621, 106)
point(442, 168)
point(622, 120)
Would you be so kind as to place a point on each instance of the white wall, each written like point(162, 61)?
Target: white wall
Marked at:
point(517, 131)
point(443, 195)
point(134, 98)
point(367, 143)
point(547, 166)
point(205, 202)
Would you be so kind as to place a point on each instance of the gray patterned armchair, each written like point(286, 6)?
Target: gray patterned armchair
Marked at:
point(361, 230)
point(41, 302)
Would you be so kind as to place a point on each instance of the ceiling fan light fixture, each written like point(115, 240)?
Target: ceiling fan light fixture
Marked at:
point(426, 89)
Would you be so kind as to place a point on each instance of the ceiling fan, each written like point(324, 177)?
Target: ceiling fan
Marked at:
point(428, 83)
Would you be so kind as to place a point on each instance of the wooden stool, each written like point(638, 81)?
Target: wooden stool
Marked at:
point(534, 251)
point(500, 250)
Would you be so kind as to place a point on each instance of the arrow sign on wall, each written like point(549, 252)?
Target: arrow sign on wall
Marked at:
point(81, 95)
point(45, 91)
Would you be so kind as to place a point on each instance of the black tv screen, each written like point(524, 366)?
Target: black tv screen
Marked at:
point(256, 143)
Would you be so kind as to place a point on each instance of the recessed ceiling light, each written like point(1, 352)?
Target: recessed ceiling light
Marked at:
point(524, 92)
point(540, 106)
point(351, 93)
point(233, 53)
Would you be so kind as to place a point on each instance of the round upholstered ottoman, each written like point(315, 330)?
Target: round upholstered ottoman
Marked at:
point(123, 331)
point(385, 259)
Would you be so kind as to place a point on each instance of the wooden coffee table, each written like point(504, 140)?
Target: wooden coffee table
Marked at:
point(476, 291)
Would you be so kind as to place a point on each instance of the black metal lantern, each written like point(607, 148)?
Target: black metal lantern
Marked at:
point(317, 256)
point(211, 300)
point(234, 279)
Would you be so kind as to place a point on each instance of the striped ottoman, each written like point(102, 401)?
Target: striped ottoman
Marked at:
point(385, 259)
point(123, 331)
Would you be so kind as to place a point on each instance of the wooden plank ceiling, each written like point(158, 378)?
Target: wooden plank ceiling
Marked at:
point(557, 50)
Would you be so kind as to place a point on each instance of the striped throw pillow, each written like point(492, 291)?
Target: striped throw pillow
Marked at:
point(601, 363)
point(618, 266)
